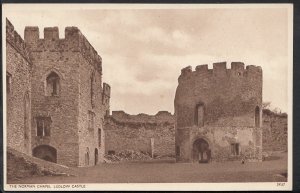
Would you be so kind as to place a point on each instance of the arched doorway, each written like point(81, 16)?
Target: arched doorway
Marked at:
point(45, 152)
point(201, 151)
point(96, 156)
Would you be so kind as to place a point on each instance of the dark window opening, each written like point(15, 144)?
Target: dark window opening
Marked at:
point(235, 149)
point(93, 80)
point(111, 152)
point(199, 115)
point(99, 137)
point(26, 118)
point(87, 156)
point(43, 126)
point(8, 83)
point(91, 118)
point(177, 151)
point(257, 117)
point(53, 82)
point(96, 156)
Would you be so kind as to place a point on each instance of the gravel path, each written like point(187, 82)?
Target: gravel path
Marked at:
point(266, 171)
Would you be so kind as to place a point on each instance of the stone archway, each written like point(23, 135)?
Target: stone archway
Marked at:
point(201, 151)
point(45, 152)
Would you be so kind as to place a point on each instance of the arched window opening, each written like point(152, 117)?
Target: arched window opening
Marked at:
point(199, 115)
point(53, 84)
point(257, 117)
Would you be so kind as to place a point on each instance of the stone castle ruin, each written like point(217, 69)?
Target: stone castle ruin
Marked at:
point(58, 107)
point(218, 113)
point(56, 100)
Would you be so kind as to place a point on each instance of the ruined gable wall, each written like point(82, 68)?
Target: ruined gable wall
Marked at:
point(61, 56)
point(134, 132)
point(229, 95)
point(274, 131)
point(18, 65)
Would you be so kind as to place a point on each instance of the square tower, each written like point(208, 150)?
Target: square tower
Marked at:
point(67, 91)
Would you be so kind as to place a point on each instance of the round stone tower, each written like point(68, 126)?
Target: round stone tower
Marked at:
point(218, 113)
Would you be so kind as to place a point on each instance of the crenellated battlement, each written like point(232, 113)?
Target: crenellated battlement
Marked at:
point(74, 41)
point(15, 40)
point(220, 69)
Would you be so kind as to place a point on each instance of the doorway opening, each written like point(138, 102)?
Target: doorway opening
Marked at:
point(201, 151)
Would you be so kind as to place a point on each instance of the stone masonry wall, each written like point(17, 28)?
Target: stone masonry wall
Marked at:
point(274, 131)
point(134, 132)
point(18, 67)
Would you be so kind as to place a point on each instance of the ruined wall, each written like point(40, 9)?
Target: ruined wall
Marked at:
point(18, 93)
point(275, 134)
point(134, 132)
point(229, 98)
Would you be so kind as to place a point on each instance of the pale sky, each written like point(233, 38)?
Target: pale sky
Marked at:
point(143, 50)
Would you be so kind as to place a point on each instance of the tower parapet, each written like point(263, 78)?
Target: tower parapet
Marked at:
point(220, 70)
point(74, 41)
point(16, 41)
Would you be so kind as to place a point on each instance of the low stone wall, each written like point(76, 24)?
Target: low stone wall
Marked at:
point(135, 132)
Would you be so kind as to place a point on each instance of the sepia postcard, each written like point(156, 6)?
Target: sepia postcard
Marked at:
point(147, 96)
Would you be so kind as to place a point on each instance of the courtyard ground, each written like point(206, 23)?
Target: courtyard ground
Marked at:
point(274, 169)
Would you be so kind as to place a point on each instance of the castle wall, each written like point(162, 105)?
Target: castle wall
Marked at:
point(134, 132)
point(18, 68)
point(228, 99)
